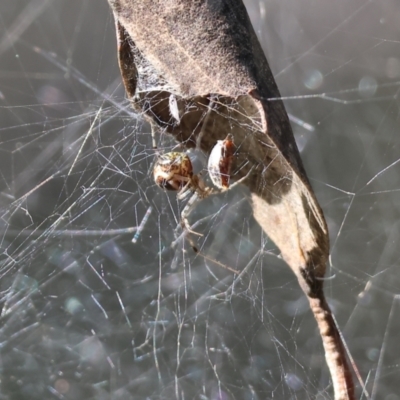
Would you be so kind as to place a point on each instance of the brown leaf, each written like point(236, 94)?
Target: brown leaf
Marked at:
point(210, 58)
point(197, 70)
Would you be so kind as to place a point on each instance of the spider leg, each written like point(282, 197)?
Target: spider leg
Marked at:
point(240, 180)
point(184, 224)
point(186, 212)
point(185, 190)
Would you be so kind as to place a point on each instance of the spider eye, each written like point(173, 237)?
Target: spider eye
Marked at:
point(220, 162)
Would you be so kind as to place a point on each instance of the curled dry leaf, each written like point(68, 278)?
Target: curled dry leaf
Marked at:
point(197, 70)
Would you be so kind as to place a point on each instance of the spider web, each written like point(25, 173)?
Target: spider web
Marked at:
point(102, 299)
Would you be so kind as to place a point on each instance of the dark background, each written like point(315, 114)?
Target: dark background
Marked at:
point(88, 314)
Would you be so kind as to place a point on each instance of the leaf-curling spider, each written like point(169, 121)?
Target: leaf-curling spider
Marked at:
point(174, 171)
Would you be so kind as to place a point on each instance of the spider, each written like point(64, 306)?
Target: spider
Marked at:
point(174, 171)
